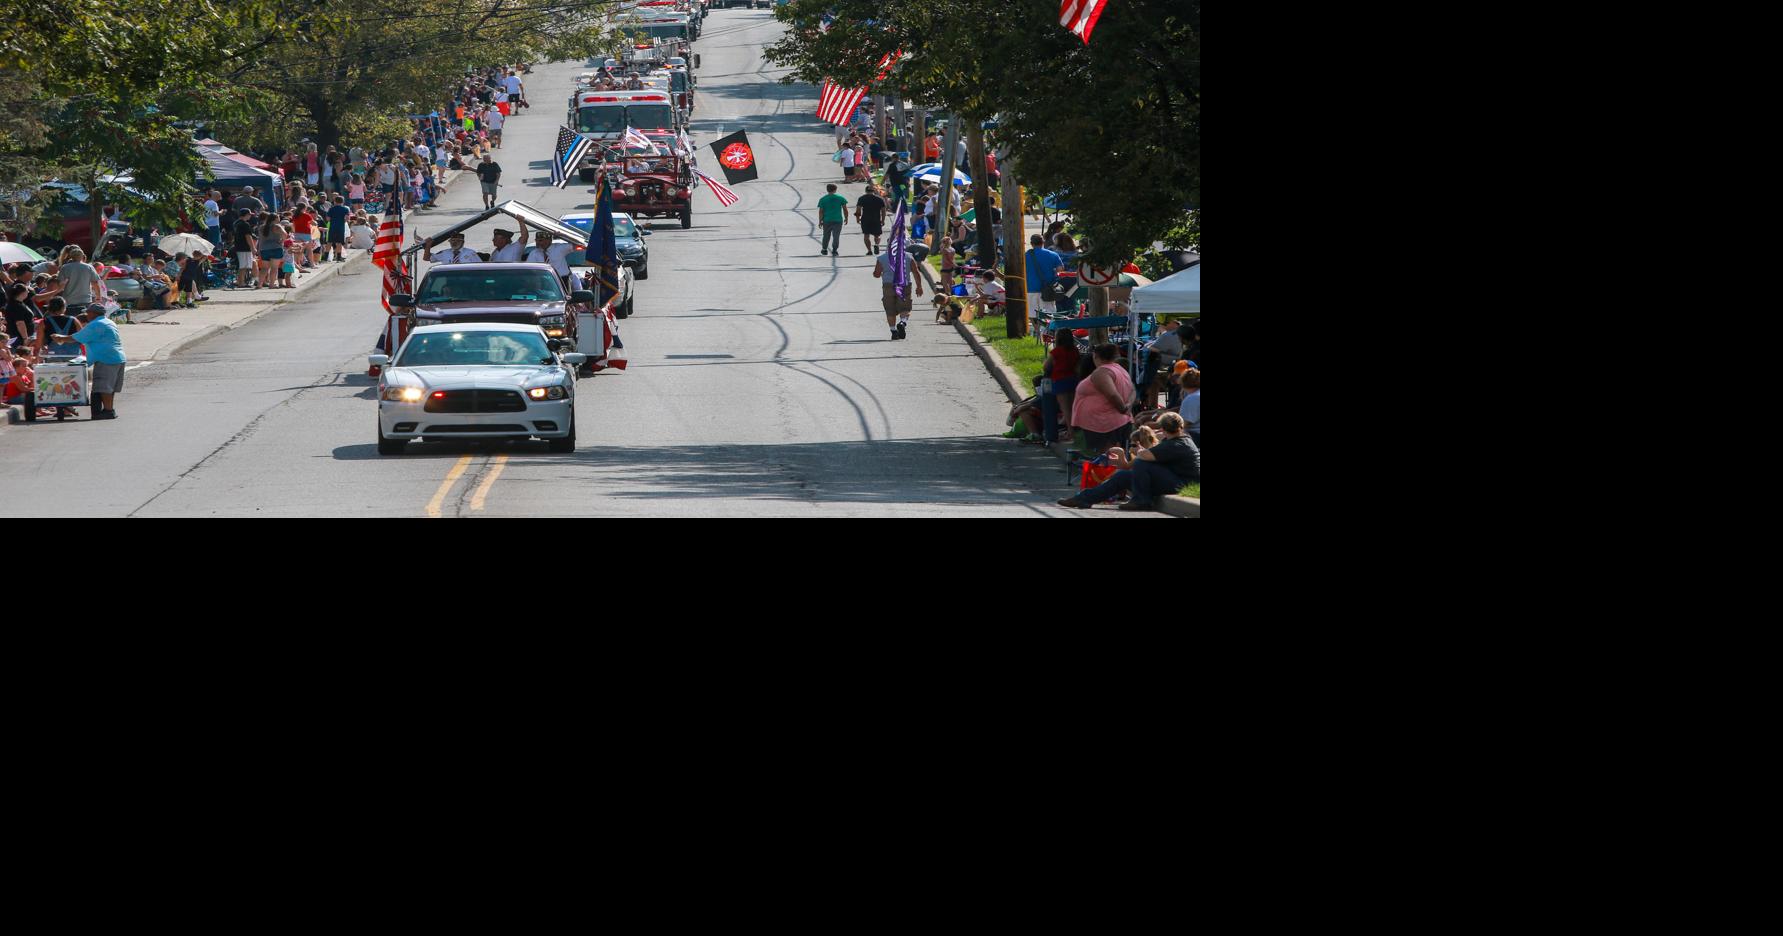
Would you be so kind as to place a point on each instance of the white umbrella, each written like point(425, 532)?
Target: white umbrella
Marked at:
point(190, 244)
point(18, 253)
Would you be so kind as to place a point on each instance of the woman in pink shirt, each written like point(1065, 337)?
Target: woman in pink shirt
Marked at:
point(1102, 407)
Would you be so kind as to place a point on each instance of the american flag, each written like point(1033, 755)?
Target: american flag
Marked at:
point(563, 167)
point(634, 138)
point(726, 197)
point(565, 137)
point(1080, 16)
point(837, 104)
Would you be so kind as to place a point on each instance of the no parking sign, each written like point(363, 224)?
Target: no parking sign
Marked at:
point(1098, 276)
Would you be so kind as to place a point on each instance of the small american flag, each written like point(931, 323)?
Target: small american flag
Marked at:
point(634, 138)
point(1080, 16)
point(726, 197)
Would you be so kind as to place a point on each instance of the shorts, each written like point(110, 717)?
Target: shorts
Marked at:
point(289, 268)
point(894, 305)
point(310, 179)
point(489, 188)
point(1064, 385)
point(107, 378)
point(303, 238)
point(272, 253)
point(337, 237)
point(872, 229)
point(244, 260)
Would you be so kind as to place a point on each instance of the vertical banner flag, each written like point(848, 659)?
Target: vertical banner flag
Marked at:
point(603, 246)
point(736, 157)
point(897, 252)
point(1080, 16)
point(726, 197)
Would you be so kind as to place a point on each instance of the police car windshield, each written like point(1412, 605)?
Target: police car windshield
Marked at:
point(491, 286)
point(490, 349)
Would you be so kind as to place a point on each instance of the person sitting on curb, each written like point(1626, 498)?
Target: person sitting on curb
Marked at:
point(1151, 473)
point(988, 295)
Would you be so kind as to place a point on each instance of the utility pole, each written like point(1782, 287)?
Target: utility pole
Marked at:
point(879, 117)
point(981, 196)
point(1015, 241)
point(944, 211)
point(903, 131)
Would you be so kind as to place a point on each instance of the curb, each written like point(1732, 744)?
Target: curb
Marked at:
point(1010, 381)
point(215, 330)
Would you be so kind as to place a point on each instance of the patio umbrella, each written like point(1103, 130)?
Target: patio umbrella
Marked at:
point(18, 253)
point(932, 173)
point(190, 244)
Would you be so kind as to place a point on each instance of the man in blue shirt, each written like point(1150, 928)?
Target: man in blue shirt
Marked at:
point(1043, 269)
point(105, 352)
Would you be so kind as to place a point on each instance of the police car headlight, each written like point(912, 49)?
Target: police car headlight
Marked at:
point(552, 321)
point(548, 393)
point(404, 394)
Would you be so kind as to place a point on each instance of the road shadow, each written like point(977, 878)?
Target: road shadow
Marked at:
point(970, 471)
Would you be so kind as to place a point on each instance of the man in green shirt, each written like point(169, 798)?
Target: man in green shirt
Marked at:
point(832, 210)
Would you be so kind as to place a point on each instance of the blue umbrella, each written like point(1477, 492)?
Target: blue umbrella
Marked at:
point(931, 172)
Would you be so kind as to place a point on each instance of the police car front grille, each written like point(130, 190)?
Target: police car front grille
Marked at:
point(476, 401)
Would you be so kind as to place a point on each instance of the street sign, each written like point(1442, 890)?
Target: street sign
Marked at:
point(1097, 276)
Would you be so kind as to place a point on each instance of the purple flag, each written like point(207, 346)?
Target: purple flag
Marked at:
point(898, 255)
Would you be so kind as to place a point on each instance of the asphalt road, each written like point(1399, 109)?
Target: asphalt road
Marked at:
point(762, 378)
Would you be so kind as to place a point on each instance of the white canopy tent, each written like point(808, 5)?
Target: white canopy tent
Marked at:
point(1176, 294)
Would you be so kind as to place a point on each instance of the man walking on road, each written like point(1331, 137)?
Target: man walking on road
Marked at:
point(897, 308)
point(489, 173)
point(832, 212)
point(869, 213)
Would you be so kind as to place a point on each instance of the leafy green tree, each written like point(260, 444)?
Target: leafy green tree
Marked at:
point(1115, 124)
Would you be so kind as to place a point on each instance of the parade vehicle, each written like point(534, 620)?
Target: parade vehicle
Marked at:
point(605, 115)
point(514, 293)
point(656, 38)
point(478, 380)
point(655, 186)
point(628, 237)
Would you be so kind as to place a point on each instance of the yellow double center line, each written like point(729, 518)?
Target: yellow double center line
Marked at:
point(479, 498)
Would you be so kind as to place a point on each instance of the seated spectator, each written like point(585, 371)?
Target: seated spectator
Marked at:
point(1028, 413)
point(17, 377)
point(362, 235)
point(988, 295)
point(1101, 408)
point(1150, 473)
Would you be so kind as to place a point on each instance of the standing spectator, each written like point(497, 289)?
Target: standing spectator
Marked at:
point(105, 354)
point(869, 213)
point(213, 219)
point(1061, 378)
point(21, 322)
point(356, 191)
point(246, 248)
point(77, 283)
point(848, 157)
point(387, 179)
point(897, 177)
point(337, 228)
point(931, 147)
point(495, 120)
point(832, 213)
point(272, 252)
point(1152, 473)
point(1102, 405)
point(516, 89)
point(51, 329)
point(303, 231)
point(489, 174)
point(1043, 271)
point(248, 201)
point(312, 165)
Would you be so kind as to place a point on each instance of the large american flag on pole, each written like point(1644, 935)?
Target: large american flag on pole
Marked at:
point(1080, 16)
point(386, 252)
point(836, 105)
point(726, 197)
